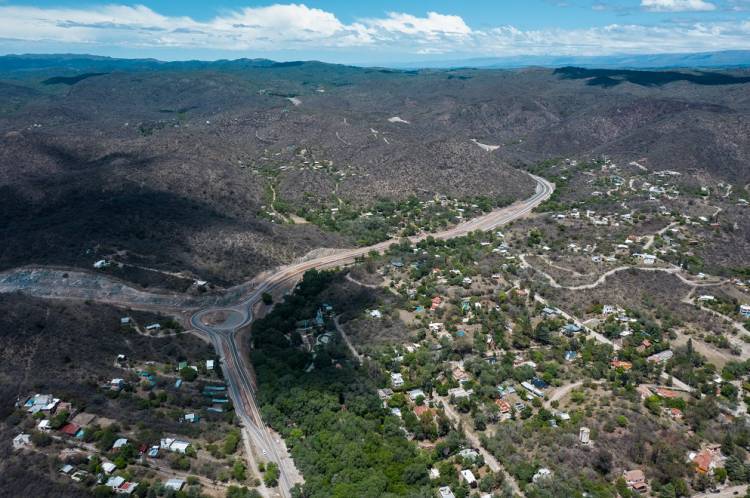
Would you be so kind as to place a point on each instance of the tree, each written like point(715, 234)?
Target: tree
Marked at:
point(238, 470)
point(188, 374)
point(267, 298)
point(271, 477)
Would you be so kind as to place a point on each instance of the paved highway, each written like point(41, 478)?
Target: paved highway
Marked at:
point(221, 319)
point(223, 333)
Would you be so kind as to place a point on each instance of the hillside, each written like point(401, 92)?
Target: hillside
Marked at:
point(201, 167)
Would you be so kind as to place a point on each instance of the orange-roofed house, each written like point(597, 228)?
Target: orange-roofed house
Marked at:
point(503, 405)
point(704, 461)
point(625, 365)
point(667, 393)
point(420, 410)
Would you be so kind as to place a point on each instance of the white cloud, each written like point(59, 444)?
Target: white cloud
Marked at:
point(297, 27)
point(677, 5)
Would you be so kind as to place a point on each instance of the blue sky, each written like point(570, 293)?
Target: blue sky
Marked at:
point(372, 31)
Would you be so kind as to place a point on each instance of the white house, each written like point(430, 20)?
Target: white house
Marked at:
point(445, 492)
point(119, 443)
point(174, 484)
point(174, 445)
point(468, 477)
point(745, 310)
point(397, 380)
point(646, 259)
point(543, 473)
point(584, 435)
point(21, 441)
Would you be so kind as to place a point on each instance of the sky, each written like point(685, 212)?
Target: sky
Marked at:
point(365, 31)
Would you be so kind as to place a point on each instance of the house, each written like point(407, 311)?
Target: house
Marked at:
point(174, 445)
point(115, 482)
point(660, 357)
point(416, 393)
point(539, 383)
point(153, 452)
point(625, 365)
point(635, 480)
point(646, 259)
point(119, 443)
point(436, 327)
point(533, 390)
point(420, 410)
point(550, 312)
point(570, 355)
point(126, 488)
point(70, 429)
point(125, 320)
point(41, 403)
point(116, 384)
point(102, 263)
point(459, 373)
point(503, 405)
point(191, 418)
point(706, 460)
point(745, 310)
point(571, 329)
point(543, 473)
point(79, 475)
point(174, 484)
point(153, 326)
point(108, 467)
point(468, 477)
point(445, 492)
point(434, 473)
point(459, 392)
point(385, 394)
point(705, 298)
point(397, 380)
point(376, 314)
point(44, 425)
point(469, 454)
point(120, 486)
point(644, 345)
point(66, 469)
point(209, 364)
point(21, 441)
point(584, 435)
point(608, 309)
point(663, 392)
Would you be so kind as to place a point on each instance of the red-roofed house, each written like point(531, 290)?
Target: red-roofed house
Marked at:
point(70, 429)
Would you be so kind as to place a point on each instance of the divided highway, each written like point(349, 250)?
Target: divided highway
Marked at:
point(237, 372)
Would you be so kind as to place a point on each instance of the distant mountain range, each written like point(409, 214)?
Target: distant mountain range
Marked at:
point(10, 64)
point(724, 59)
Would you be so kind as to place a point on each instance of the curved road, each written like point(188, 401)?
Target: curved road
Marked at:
point(220, 322)
point(223, 335)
